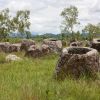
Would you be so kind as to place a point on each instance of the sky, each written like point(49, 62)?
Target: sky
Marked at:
point(45, 14)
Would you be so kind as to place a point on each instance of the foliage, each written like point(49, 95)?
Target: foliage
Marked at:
point(70, 16)
point(4, 23)
point(20, 23)
point(93, 31)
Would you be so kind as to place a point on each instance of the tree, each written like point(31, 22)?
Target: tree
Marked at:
point(22, 23)
point(78, 35)
point(70, 16)
point(93, 31)
point(28, 34)
point(98, 30)
point(4, 23)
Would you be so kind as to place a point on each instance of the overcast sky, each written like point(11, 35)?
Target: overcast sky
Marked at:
point(45, 14)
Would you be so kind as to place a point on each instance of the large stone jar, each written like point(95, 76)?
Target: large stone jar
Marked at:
point(76, 62)
point(96, 44)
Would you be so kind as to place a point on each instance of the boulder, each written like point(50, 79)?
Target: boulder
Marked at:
point(11, 57)
point(25, 44)
point(96, 44)
point(54, 45)
point(77, 62)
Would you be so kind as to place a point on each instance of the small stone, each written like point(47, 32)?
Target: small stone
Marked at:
point(11, 57)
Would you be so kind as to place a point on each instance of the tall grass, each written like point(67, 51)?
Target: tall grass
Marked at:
point(32, 79)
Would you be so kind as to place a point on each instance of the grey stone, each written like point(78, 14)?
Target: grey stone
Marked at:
point(11, 57)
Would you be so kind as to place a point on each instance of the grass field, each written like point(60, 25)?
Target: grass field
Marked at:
point(31, 79)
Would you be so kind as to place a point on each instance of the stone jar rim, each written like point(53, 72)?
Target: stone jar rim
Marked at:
point(89, 51)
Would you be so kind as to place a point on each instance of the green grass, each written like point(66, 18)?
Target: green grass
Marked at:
point(11, 40)
point(32, 79)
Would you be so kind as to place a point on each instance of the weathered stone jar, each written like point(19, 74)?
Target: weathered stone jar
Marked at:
point(54, 44)
point(14, 47)
point(4, 47)
point(34, 52)
point(96, 44)
point(76, 44)
point(76, 62)
point(25, 44)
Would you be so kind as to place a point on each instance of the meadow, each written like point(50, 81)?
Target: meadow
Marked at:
point(32, 79)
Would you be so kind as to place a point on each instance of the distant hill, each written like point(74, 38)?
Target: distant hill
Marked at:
point(47, 35)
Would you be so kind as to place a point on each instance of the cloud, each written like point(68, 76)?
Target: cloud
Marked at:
point(45, 14)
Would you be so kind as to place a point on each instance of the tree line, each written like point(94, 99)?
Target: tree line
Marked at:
point(20, 23)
